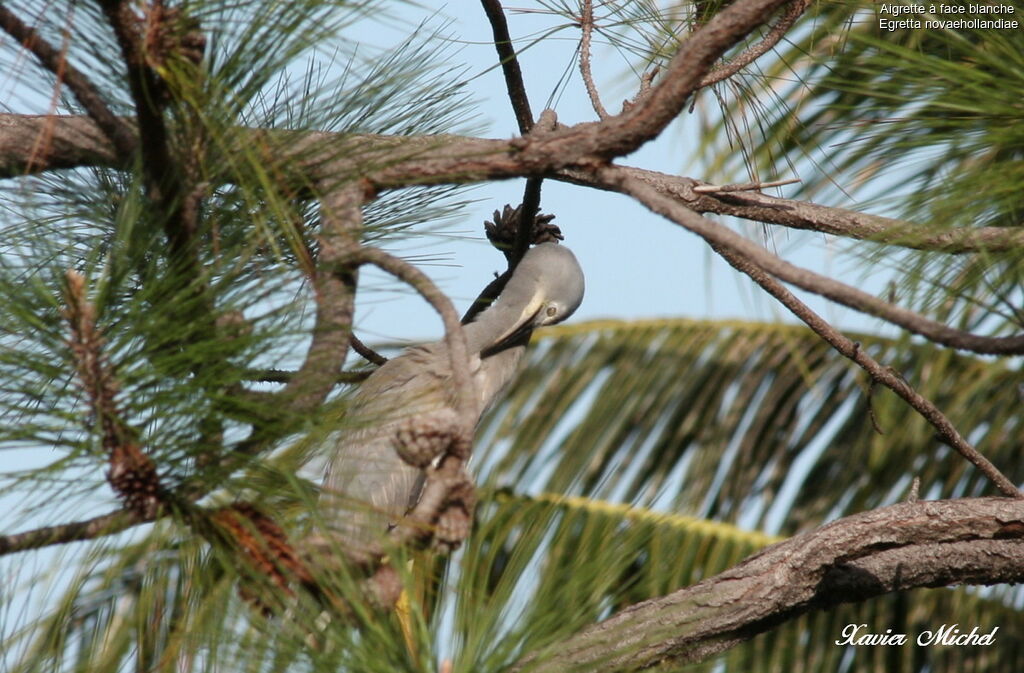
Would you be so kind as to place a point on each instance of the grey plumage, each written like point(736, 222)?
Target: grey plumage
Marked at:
point(367, 484)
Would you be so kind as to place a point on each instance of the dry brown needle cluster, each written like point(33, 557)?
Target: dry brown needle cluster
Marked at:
point(132, 473)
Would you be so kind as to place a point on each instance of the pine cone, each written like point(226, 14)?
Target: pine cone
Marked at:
point(421, 439)
point(133, 476)
point(455, 521)
point(502, 231)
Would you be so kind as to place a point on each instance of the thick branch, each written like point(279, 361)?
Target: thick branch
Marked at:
point(825, 219)
point(905, 546)
point(401, 162)
point(75, 141)
point(334, 287)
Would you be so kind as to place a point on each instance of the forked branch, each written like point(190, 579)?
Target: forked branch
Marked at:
point(735, 250)
point(119, 133)
point(752, 53)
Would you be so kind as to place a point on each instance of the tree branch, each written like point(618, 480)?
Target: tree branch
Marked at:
point(524, 116)
point(167, 184)
point(132, 474)
point(113, 127)
point(528, 210)
point(647, 118)
point(454, 336)
point(370, 355)
point(752, 53)
point(904, 546)
point(884, 375)
point(398, 162)
point(738, 257)
point(334, 286)
point(76, 531)
point(284, 376)
point(825, 219)
point(509, 65)
point(587, 25)
point(722, 238)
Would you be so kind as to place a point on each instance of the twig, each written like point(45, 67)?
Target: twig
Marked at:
point(132, 473)
point(509, 65)
point(76, 531)
point(871, 406)
point(742, 187)
point(368, 353)
point(282, 376)
point(915, 487)
point(749, 55)
point(737, 257)
point(587, 24)
point(645, 87)
point(85, 92)
point(647, 79)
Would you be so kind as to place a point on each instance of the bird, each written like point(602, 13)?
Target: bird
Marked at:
point(373, 477)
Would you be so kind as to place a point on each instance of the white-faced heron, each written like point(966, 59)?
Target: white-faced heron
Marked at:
point(368, 485)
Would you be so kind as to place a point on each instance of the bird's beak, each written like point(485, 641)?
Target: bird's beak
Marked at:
point(520, 332)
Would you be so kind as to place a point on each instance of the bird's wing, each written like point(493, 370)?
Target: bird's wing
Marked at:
point(367, 486)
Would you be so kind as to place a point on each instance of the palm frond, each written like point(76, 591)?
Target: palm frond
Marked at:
point(759, 424)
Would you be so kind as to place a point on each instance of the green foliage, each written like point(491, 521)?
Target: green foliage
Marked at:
point(760, 424)
point(913, 123)
point(540, 566)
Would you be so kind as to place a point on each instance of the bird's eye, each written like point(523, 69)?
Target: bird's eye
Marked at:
point(551, 311)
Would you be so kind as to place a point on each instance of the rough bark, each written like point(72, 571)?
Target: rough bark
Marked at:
point(904, 546)
point(32, 144)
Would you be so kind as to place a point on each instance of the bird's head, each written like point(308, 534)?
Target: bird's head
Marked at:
point(545, 288)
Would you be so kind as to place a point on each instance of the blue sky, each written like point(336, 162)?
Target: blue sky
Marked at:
point(637, 264)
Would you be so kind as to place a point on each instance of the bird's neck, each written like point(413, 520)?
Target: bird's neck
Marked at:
point(490, 326)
